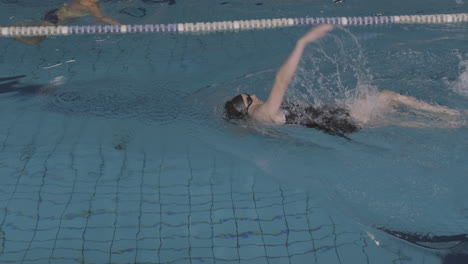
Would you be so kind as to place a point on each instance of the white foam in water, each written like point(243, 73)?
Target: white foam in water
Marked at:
point(460, 86)
point(59, 80)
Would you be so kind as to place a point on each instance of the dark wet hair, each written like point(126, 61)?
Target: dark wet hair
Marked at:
point(235, 108)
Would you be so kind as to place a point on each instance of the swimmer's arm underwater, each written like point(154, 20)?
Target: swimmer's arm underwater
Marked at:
point(286, 72)
point(93, 9)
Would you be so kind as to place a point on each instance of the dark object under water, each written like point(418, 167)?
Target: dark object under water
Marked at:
point(12, 84)
point(455, 246)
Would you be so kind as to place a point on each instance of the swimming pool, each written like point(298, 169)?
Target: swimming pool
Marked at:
point(120, 154)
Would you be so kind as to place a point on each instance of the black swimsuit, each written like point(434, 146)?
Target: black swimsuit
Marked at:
point(330, 119)
point(52, 16)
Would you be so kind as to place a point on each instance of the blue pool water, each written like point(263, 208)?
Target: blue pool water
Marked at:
point(120, 153)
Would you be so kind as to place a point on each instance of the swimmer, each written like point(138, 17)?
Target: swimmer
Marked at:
point(65, 14)
point(332, 119)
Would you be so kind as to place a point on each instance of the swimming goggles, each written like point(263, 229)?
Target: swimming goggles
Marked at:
point(249, 102)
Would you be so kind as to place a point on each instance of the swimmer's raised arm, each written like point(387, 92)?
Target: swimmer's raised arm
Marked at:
point(286, 72)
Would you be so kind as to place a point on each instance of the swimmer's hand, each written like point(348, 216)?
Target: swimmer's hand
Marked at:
point(315, 33)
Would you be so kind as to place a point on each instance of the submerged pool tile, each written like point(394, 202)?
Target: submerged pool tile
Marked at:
point(201, 203)
point(350, 251)
point(222, 215)
point(69, 253)
point(309, 258)
point(294, 208)
point(279, 260)
point(174, 178)
point(297, 221)
point(201, 216)
point(251, 251)
point(174, 242)
point(20, 206)
point(202, 192)
point(17, 238)
point(226, 253)
point(149, 243)
point(274, 231)
point(249, 234)
point(276, 250)
point(196, 241)
point(241, 200)
point(175, 219)
point(46, 235)
point(170, 255)
point(247, 212)
point(225, 235)
point(175, 200)
point(326, 252)
point(274, 212)
point(127, 216)
point(146, 256)
point(11, 257)
point(47, 260)
point(152, 207)
point(201, 254)
point(222, 206)
point(298, 248)
point(256, 260)
point(123, 251)
point(105, 191)
point(299, 236)
point(101, 234)
point(150, 204)
point(38, 253)
point(201, 230)
point(125, 233)
point(323, 234)
point(149, 220)
point(96, 257)
point(100, 219)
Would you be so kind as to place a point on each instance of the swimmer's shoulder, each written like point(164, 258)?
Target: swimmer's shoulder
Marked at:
point(262, 115)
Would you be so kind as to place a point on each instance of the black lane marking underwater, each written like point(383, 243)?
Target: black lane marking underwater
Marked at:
point(426, 240)
point(10, 1)
point(137, 12)
point(170, 2)
point(457, 252)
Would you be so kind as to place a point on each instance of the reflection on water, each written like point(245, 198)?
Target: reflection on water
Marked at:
point(117, 99)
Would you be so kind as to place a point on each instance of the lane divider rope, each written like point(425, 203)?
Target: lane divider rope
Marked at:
point(229, 25)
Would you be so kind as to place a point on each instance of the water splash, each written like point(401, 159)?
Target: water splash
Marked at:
point(460, 86)
point(336, 71)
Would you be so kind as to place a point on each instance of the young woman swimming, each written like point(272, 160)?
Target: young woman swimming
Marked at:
point(68, 12)
point(332, 119)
